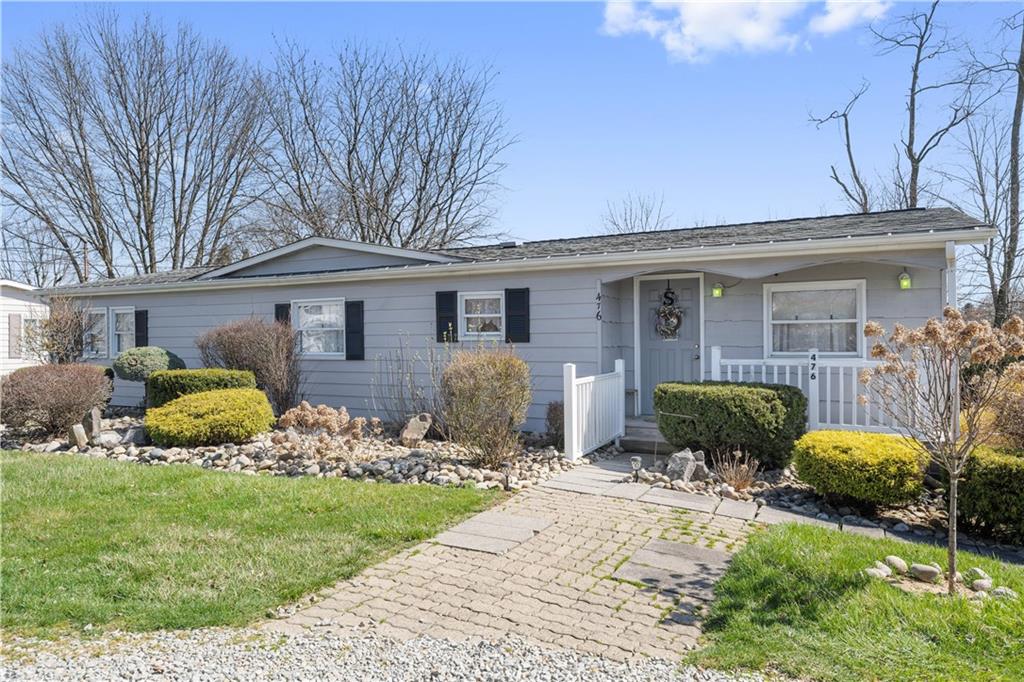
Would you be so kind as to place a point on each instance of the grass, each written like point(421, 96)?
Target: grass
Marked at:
point(794, 601)
point(140, 548)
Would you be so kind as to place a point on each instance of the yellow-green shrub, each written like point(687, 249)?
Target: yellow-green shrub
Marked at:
point(210, 418)
point(875, 468)
point(990, 492)
point(163, 386)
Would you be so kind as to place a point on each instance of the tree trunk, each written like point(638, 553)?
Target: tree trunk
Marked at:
point(951, 547)
point(1001, 304)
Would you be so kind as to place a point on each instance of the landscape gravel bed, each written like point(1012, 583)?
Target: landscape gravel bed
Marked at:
point(227, 654)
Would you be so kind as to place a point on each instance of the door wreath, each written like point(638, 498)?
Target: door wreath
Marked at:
point(669, 316)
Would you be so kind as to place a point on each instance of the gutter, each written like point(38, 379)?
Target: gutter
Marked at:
point(669, 256)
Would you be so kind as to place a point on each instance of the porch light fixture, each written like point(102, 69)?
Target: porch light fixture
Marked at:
point(634, 463)
point(717, 290)
point(905, 281)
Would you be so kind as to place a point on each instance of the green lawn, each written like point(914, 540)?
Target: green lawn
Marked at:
point(122, 545)
point(793, 601)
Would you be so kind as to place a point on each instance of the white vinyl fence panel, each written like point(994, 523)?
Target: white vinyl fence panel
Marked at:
point(832, 387)
point(595, 409)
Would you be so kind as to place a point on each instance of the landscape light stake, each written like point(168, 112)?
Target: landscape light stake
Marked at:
point(635, 462)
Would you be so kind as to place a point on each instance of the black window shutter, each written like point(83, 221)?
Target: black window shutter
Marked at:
point(447, 308)
point(354, 344)
point(141, 327)
point(283, 312)
point(517, 315)
point(13, 336)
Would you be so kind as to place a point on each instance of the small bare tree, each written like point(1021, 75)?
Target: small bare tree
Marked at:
point(382, 147)
point(939, 383)
point(60, 337)
point(636, 213)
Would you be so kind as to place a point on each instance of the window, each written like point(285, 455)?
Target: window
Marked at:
point(482, 315)
point(320, 325)
point(122, 329)
point(94, 340)
point(828, 316)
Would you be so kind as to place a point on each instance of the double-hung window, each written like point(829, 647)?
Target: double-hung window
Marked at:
point(320, 325)
point(828, 316)
point(122, 330)
point(482, 315)
point(94, 339)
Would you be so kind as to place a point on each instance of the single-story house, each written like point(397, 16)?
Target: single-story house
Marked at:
point(745, 301)
point(20, 309)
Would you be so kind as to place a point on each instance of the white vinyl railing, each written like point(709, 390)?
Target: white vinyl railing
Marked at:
point(595, 409)
point(832, 387)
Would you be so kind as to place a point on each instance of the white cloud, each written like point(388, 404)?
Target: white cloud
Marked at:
point(693, 31)
point(840, 15)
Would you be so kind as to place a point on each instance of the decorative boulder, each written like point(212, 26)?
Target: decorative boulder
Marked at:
point(416, 430)
point(925, 572)
point(682, 464)
point(107, 439)
point(77, 435)
point(92, 422)
point(897, 564)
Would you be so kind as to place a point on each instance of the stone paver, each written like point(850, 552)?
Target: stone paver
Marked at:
point(558, 588)
point(677, 498)
point(737, 509)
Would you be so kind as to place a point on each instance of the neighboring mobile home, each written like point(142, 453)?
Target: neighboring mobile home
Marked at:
point(735, 301)
point(20, 308)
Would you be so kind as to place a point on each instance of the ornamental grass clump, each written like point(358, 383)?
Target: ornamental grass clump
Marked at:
point(939, 384)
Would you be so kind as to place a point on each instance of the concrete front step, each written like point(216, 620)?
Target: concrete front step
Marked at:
point(643, 436)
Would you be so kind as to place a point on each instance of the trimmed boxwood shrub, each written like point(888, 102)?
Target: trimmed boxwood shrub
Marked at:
point(762, 419)
point(136, 364)
point(871, 468)
point(990, 492)
point(165, 385)
point(226, 415)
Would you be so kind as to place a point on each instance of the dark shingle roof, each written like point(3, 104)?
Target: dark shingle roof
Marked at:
point(905, 221)
point(164, 277)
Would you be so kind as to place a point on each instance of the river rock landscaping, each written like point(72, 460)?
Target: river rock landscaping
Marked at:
point(377, 457)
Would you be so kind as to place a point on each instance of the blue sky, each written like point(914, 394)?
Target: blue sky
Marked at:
point(711, 111)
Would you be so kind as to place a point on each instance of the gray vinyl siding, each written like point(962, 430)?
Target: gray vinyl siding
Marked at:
point(563, 320)
point(736, 321)
point(320, 259)
point(563, 329)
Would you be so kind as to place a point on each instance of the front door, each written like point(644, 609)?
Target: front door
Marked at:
point(669, 334)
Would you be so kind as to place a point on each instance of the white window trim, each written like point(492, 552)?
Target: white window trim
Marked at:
point(481, 336)
point(106, 325)
point(298, 330)
point(859, 284)
point(112, 327)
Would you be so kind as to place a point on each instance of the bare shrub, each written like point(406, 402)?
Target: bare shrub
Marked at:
point(59, 337)
point(486, 393)
point(267, 349)
point(738, 469)
point(555, 422)
point(52, 397)
point(407, 383)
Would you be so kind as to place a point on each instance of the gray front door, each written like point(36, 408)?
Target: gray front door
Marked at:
point(668, 357)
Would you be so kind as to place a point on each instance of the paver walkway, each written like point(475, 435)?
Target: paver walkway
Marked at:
point(583, 561)
point(557, 588)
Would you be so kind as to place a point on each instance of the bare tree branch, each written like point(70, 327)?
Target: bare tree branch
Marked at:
point(636, 213)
